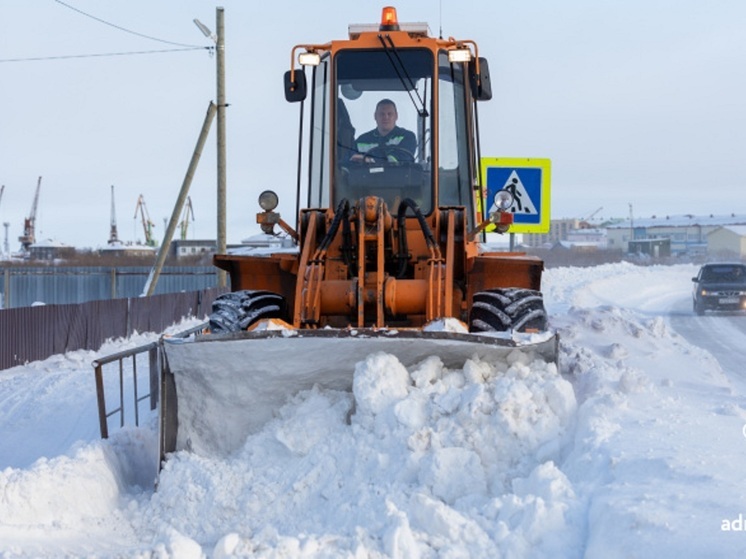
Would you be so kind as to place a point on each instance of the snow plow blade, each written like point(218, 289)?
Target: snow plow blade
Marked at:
point(218, 389)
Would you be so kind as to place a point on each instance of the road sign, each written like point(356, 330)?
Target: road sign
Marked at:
point(528, 180)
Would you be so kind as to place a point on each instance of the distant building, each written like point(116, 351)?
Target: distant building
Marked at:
point(587, 237)
point(688, 234)
point(122, 250)
point(655, 248)
point(571, 233)
point(558, 231)
point(728, 240)
point(50, 249)
point(184, 248)
point(263, 244)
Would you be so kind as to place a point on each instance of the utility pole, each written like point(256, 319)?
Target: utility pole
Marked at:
point(220, 57)
point(219, 38)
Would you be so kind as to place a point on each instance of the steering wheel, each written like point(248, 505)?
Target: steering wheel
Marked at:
point(398, 154)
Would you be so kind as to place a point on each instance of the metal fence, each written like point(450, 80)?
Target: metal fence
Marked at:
point(34, 333)
point(23, 286)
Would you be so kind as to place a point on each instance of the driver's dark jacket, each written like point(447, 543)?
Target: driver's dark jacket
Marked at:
point(398, 137)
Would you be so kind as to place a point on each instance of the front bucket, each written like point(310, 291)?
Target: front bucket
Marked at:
point(228, 385)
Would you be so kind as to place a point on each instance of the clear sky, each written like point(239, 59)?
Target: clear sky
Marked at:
point(641, 102)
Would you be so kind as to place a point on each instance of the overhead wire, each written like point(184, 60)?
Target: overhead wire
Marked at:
point(186, 47)
point(99, 55)
point(115, 26)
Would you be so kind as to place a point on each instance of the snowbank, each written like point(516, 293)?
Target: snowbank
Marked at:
point(631, 449)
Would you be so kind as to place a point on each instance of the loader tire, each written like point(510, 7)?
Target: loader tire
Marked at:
point(236, 311)
point(504, 309)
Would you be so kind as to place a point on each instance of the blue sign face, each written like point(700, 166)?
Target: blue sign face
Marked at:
point(525, 186)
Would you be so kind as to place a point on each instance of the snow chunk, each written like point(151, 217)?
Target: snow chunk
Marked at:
point(178, 545)
point(446, 325)
point(226, 546)
point(428, 372)
point(380, 381)
point(452, 473)
point(545, 481)
point(310, 417)
point(398, 539)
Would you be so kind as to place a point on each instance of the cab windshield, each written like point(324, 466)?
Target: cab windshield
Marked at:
point(383, 126)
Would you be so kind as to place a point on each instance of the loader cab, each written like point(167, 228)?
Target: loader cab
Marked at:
point(434, 99)
point(363, 79)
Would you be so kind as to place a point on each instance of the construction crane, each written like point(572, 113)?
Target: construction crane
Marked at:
point(585, 221)
point(186, 217)
point(113, 235)
point(6, 246)
point(29, 224)
point(2, 189)
point(592, 214)
point(147, 224)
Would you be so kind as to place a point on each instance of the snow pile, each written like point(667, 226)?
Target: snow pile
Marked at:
point(632, 449)
point(411, 464)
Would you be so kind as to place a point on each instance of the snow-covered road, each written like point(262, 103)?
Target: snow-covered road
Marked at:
point(721, 334)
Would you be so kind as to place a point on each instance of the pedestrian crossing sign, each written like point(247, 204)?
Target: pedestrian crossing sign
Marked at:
point(528, 180)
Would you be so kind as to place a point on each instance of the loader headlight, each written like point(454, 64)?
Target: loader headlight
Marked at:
point(309, 59)
point(503, 200)
point(268, 200)
point(459, 55)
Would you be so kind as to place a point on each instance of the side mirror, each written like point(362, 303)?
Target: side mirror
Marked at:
point(295, 90)
point(481, 85)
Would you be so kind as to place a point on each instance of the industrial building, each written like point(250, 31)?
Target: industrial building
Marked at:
point(688, 234)
point(728, 240)
point(671, 235)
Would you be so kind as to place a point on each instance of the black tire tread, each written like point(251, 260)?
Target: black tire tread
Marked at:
point(505, 309)
point(238, 310)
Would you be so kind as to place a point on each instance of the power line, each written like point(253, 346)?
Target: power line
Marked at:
point(123, 28)
point(99, 55)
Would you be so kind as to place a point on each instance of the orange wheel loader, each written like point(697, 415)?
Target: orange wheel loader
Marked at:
point(386, 252)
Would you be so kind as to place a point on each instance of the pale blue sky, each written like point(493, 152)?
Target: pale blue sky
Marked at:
point(637, 102)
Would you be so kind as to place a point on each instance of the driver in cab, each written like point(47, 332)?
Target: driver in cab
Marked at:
point(386, 142)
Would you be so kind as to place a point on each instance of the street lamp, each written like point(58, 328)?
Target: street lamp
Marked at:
point(219, 39)
point(205, 30)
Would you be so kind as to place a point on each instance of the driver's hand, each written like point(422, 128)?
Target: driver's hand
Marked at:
point(362, 158)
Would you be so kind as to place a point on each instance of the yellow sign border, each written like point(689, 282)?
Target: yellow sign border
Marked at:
point(545, 165)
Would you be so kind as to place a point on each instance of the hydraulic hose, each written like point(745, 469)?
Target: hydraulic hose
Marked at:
point(401, 216)
point(343, 211)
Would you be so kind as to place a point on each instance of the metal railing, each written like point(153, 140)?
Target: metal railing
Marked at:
point(153, 373)
point(154, 368)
